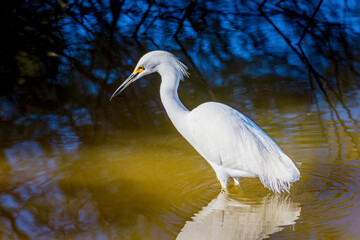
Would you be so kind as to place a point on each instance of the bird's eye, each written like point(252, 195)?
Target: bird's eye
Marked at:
point(141, 67)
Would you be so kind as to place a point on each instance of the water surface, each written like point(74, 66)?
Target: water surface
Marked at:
point(151, 184)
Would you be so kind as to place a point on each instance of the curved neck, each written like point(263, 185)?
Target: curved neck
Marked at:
point(170, 99)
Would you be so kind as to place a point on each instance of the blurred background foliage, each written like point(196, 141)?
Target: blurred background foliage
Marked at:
point(61, 60)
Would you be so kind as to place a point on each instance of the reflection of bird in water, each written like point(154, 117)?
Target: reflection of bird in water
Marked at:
point(232, 144)
point(226, 218)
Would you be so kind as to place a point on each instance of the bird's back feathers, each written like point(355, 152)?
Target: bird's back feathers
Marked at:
point(227, 138)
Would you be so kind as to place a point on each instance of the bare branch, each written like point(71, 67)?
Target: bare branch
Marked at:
point(143, 19)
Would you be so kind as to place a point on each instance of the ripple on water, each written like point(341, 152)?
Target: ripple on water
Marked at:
point(328, 193)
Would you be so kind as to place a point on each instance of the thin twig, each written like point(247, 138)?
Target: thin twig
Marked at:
point(309, 22)
point(142, 19)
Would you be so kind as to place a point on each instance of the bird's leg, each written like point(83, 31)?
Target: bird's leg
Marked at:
point(237, 181)
point(223, 181)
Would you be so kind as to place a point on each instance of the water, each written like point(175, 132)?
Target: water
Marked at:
point(151, 184)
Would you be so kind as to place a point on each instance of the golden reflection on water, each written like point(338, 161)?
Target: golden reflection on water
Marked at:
point(152, 185)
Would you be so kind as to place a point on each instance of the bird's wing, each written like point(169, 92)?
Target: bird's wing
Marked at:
point(225, 137)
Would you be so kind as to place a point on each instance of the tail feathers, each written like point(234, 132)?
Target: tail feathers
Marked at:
point(277, 186)
point(281, 181)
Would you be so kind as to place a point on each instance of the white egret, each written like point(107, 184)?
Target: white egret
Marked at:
point(232, 144)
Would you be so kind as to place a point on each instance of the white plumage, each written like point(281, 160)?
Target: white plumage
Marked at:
point(231, 143)
point(245, 218)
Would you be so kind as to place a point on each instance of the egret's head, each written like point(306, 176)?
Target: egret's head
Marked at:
point(151, 62)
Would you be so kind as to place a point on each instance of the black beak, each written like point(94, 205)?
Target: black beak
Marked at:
point(126, 83)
